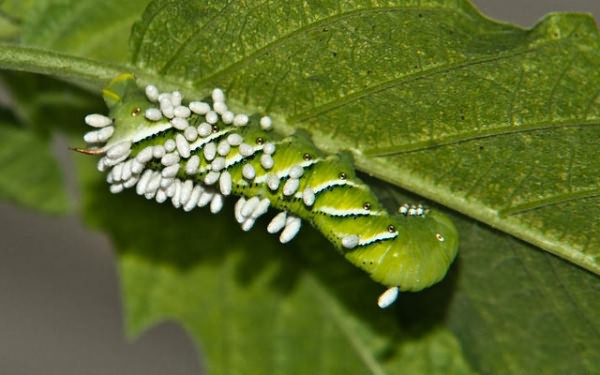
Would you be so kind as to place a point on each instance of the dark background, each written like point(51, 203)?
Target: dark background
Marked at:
point(60, 309)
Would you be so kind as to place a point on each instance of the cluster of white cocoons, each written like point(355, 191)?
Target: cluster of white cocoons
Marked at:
point(124, 171)
point(413, 210)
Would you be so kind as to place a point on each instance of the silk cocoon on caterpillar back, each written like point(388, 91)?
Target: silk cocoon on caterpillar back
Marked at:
point(197, 153)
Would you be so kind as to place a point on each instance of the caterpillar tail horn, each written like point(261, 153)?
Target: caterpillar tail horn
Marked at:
point(88, 151)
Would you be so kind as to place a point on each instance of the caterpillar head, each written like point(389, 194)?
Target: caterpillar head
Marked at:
point(133, 123)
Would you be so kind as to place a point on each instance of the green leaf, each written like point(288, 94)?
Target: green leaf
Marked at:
point(45, 105)
point(83, 72)
point(19, 10)
point(87, 28)
point(521, 311)
point(29, 174)
point(32, 109)
point(487, 125)
point(11, 15)
point(255, 306)
point(494, 121)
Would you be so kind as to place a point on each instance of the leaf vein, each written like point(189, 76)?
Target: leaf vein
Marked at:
point(475, 135)
point(551, 201)
point(186, 42)
point(386, 85)
point(281, 40)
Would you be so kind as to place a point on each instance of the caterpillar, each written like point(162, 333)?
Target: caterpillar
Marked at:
point(196, 153)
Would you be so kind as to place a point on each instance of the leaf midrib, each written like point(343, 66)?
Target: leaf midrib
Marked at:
point(475, 135)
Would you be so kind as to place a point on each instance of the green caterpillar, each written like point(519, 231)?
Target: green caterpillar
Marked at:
point(196, 154)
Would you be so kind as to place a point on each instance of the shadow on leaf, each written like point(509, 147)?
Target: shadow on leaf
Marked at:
point(185, 243)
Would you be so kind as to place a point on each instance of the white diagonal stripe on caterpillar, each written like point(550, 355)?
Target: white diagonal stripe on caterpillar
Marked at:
point(154, 130)
point(344, 212)
point(336, 182)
